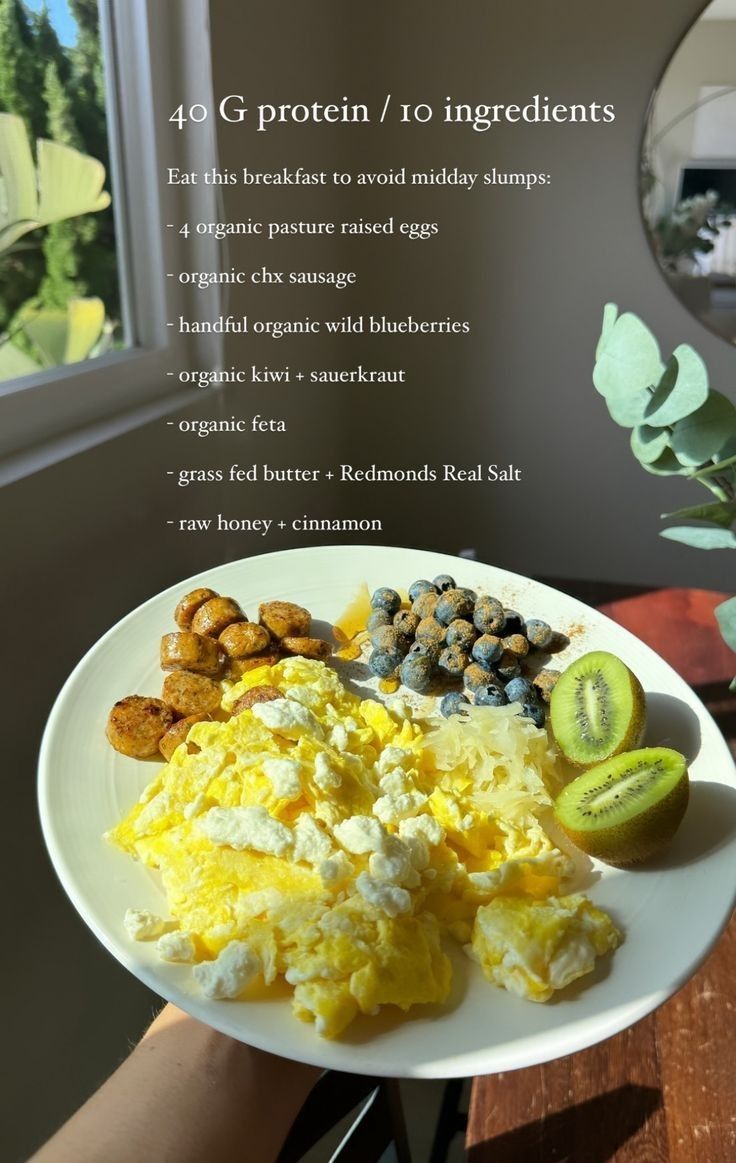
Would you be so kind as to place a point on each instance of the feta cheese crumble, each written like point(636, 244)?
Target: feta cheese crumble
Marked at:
point(176, 946)
point(287, 718)
point(311, 844)
point(230, 972)
point(141, 925)
point(360, 834)
point(284, 775)
point(386, 897)
point(250, 827)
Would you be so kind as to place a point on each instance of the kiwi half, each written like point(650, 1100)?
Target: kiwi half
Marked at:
point(597, 709)
point(625, 810)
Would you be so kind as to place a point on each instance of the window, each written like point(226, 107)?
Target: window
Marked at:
point(139, 351)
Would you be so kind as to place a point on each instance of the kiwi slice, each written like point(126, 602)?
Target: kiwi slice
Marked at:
point(625, 810)
point(597, 709)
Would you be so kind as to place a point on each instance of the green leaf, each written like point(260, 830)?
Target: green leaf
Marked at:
point(62, 337)
point(701, 538)
point(18, 200)
point(648, 444)
point(610, 315)
point(728, 450)
point(66, 184)
point(69, 183)
point(718, 512)
point(701, 436)
point(86, 320)
point(628, 367)
point(47, 332)
point(726, 618)
point(15, 363)
point(682, 389)
point(665, 465)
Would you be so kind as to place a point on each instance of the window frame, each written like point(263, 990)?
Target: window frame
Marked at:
point(156, 57)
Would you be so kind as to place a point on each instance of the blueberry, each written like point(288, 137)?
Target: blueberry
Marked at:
point(443, 582)
point(507, 666)
point(476, 676)
point(453, 661)
point(421, 587)
point(519, 690)
point(513, 623)
point(416, 672)
point(461, 633)
point(388, 638)
point(430, 649)
point(406, 622)
point(516, 644)
point(453, 604)
point(453, 704)
point(384, 663)
point(378, 618)
point(430, 631)
point(538, 633)
point(488, 616)
point(487, 650)
point(425, 605)
point(490, 696)
point(386, 599)
point(533, 711)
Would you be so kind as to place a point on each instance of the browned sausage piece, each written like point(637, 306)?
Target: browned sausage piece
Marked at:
point(241, 666)
point(189, 605)
point(306, 647)
point(191, 694)
point(177, 734)
point(284, 618)
point(136, 725)
point(256, 694)
point(242, 639)
point(188, 651)
point(213, 616)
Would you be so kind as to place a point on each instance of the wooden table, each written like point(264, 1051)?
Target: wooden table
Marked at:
point(663, 1091)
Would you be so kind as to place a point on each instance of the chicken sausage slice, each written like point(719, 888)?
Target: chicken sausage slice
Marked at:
point(284, 618)
point(136, 725)
point(256, 694)
point(189, 651)
point(306, 647)
point(189, 605)
point(177, 734)
point(191, 694)
point(241, 639)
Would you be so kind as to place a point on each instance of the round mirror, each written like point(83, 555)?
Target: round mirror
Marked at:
point(688, 174)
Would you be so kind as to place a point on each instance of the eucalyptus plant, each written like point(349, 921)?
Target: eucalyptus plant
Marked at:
point(679, 426)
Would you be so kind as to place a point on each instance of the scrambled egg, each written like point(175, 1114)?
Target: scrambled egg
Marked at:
point(333, 842)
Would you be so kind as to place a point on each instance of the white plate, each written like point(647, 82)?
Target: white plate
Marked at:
point(672, 913)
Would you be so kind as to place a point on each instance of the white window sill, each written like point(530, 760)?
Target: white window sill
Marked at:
point(42, 456)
